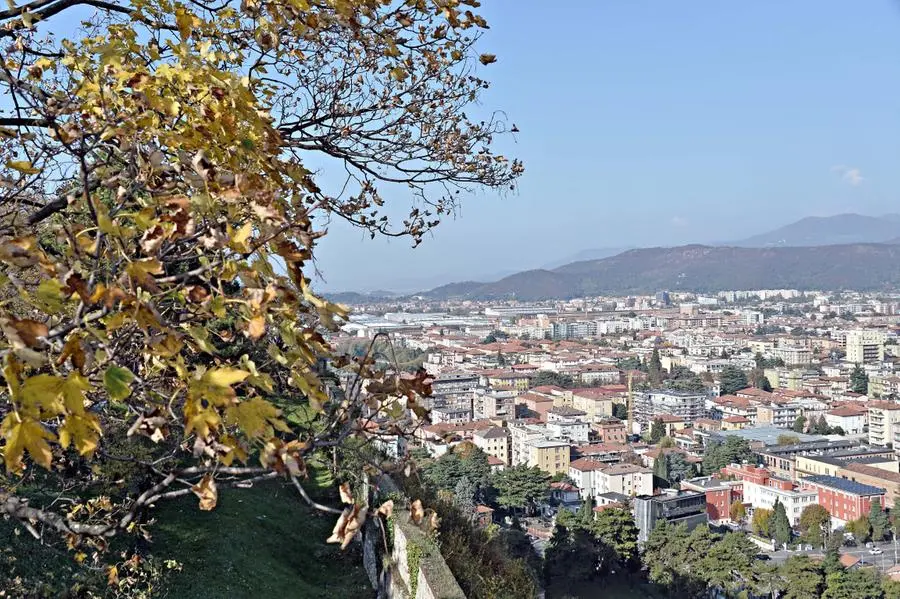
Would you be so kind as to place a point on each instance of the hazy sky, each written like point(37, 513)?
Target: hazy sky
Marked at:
point(661, 123)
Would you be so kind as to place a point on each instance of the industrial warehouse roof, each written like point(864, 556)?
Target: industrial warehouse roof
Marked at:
point(842, 484)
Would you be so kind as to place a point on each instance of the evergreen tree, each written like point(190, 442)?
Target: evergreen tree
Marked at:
point(803, 578)
point(781, 526)
point(732, 379)
point(661, 467)
point(657, 430)
point(678, 467)
point(818, 425)
point(654, 369)
point(799, 424)
point(878, 518)
point(859, 380)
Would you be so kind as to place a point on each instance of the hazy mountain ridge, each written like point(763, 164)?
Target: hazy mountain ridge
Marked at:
point(828, 230)
point(699, 268)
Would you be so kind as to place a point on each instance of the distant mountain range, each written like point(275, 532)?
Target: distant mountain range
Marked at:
point(698, 268)
point(845, 251)
point(829, 230)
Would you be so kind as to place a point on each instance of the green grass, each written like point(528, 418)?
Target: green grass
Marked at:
point(259, 542)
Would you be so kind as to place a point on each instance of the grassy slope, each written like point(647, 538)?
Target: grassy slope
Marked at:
point(259, 542)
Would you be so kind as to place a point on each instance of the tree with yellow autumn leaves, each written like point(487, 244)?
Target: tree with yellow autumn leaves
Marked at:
point(158, 223)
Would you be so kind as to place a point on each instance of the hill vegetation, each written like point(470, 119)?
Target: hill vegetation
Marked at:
point(701, 269)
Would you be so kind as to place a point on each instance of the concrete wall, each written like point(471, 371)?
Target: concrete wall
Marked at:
point(433, 579)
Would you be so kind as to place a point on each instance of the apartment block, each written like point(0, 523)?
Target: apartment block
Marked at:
point(884, 422)
point(551, 456)
point(494, 442)
point(683, 405)
point(865, 346)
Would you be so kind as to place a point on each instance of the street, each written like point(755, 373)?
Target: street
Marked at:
point(884, 561)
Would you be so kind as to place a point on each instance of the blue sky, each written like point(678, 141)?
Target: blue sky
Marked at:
point(660, 123)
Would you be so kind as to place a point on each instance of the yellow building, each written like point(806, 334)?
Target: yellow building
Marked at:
point(494, 441)
point(595, 407)
point(549, 456)
point(815, 465)
point(735, 423)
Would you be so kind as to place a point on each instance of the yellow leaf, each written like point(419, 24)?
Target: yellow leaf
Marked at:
point(255, 417)
point(185, 22)
point(112, 576)
point(256, 328)
point(398, 73)
point(242, 235)
point(225, 377)
point(25, 434)
point(23, 166)
point(416, 512)
point(81, 431)
point(41, 395)
point(49, 296)
point(206, 491)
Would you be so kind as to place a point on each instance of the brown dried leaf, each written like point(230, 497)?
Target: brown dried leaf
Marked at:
point(416, 511)
point(206, 491)
point(24, 332)
point(386, 509)
point(256, 328)
point(346, 494)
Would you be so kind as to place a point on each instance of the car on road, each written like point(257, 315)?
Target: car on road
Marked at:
point(875, 551)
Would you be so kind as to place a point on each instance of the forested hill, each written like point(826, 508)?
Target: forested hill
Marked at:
point(699, 268)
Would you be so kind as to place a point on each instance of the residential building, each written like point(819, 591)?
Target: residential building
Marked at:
point(684, 405)
point(875, 477)
point(720, 494)
point(865, 346)
point(519, 434)
point(844, 499)
point(595, 403)
point(794, 356)
point(674, 507)
point(779, 415)
point(494, 404)
point(884, 422)
point(494, 442)
point(551, 456)
point(610, 430)
point(781, 459)
point(735, 423)
point(595, 478)
point(575, 431)
point(850, 418)
point(762, 490)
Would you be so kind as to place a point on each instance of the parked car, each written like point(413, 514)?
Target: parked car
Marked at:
point(875, 551)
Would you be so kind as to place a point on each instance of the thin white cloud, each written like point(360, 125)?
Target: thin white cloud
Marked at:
point(850, 175)
point(679, 221)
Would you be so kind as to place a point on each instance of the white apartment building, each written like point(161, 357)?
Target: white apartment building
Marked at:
point(765, 496)
point(865, 346)
point(575, 431)
point(884, 422)
point(594, 478)
point(794, 356)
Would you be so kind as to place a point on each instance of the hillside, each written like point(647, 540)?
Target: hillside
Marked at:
point(828, 230)
point(699, 268)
